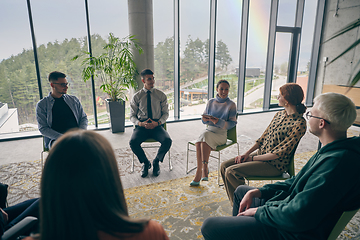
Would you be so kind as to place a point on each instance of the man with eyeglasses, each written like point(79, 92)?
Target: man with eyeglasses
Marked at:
point(308, 205)
point(59, 112)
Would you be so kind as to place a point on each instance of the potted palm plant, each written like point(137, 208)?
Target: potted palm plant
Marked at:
point(116, 70)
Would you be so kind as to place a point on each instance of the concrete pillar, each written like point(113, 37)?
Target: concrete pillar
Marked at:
point(141, 25)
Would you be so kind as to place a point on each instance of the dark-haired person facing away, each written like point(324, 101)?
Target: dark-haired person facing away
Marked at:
point(270, 155)
point(149, 111)
point(59, 112)
point(308, 205)
point(82, 197)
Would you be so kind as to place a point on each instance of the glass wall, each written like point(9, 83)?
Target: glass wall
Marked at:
point(18, 83)
point(258, 31)
point(307, 35)
point(105, 20)
point(61, 33)
point(164, 49)
point(286, 13)
point(281, 64)
point(60, 30)
point(228, 44)
point(194, 56)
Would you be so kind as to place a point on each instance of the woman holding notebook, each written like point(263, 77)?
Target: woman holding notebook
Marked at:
point(219, 116)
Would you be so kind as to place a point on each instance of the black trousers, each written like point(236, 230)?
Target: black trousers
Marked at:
point(141, 134)
point(242, 227)
point(21, 210)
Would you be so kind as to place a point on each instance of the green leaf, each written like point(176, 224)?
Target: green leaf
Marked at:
point(357, 42)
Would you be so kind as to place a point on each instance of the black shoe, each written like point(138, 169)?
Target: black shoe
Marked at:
point(145, 169)
point(156, 168)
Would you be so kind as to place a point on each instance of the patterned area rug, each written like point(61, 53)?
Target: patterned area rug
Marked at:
point(179, 208)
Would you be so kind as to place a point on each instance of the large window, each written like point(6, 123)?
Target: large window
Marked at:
point(18, 83)
point(228, 44)
point(194, 48)
point(258, 31)
point(257, 45)
point(164, 49)
point(105, 20)
point(281, 64)
point(307, 36)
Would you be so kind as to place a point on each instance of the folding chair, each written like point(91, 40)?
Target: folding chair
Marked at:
point(341, 223)
point(151, 140)
point(231, 140)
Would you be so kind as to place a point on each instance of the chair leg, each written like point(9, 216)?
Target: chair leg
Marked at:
point(170, 165)
point(187, 160)
point(219, 170)
point(132, 165)
point(42, 160)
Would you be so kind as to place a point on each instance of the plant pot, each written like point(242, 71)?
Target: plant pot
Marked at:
point(116, 110)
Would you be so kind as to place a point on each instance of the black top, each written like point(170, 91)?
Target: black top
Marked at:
point(63, 118)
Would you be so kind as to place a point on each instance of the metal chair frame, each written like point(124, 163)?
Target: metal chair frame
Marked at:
point(231, 140)
point(151, 140)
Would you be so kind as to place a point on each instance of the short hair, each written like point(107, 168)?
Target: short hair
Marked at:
point(338, 109)
point(146, 71)
point(81, 190)
point(55, 75)
point(294, 95)
point(222, 81)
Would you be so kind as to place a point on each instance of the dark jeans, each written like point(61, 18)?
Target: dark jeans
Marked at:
point(141, 134)
point(242, 227)
point(21, 210)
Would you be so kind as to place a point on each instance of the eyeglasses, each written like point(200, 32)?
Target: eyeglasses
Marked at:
point(308, 116)
point(63, 84)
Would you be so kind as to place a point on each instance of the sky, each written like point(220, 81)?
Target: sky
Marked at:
point(56, 20)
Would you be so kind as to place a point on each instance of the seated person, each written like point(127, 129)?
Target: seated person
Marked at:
point(59, 112)
point(149, 110)
point(82, 196)
point(274, 147)
point(9, 216)
point(220, 116)
point(308, 205)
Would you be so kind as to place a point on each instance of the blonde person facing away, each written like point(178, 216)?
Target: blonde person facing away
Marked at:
point(219, 116)
point(274, 147)
point(82, 196)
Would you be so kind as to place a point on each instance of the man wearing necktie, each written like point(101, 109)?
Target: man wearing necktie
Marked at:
point(149, 111)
